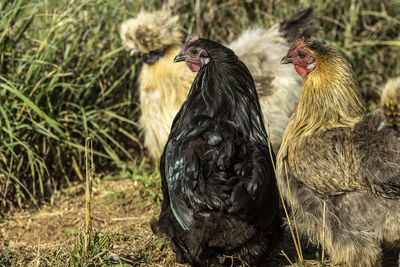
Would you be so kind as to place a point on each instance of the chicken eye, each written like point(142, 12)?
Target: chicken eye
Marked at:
point(301, 53)
point(193, 52)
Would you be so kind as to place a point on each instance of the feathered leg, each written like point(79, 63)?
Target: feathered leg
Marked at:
point(347, 243)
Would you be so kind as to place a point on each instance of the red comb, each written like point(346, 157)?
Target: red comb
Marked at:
point(297, 43)
point(191, 39)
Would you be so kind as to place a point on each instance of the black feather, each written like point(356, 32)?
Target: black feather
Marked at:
point(220, 194)
point(300, 24)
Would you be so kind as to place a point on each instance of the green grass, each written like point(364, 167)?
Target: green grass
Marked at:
point(64, 76)
point(5, 258)
point(96, 254)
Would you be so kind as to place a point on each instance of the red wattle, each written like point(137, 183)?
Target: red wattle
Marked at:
point(193, 66)
point(301, 70)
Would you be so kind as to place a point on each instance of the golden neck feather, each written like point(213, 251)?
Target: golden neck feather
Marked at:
point(330, 97)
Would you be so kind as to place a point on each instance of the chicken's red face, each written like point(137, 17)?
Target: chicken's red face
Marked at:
point(194, 56)
point(303, 59)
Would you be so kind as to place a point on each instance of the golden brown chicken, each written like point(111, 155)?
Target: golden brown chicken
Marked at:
point(155, 38)
point(333, 152)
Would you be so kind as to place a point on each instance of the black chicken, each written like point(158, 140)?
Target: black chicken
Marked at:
point(218, 181)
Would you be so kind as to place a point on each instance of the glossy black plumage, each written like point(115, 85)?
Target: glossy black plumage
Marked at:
point(220, 194)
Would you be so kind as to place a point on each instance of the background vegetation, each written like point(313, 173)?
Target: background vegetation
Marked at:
point(64, 76)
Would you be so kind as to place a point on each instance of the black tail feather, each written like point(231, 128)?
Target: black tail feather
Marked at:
point(302, 23)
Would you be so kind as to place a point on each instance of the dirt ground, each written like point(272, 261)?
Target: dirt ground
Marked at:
point(47, 237)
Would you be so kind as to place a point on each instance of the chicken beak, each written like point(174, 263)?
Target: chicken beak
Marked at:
point(287, 59)
point(179, 57)
point(135, 52)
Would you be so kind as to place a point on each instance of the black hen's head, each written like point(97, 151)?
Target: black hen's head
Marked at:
point(198, 52)
point(223, 87)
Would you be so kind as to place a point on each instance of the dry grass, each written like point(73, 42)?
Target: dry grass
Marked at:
point(54, 235)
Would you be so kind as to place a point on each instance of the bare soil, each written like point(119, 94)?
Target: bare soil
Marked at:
point(47, 236)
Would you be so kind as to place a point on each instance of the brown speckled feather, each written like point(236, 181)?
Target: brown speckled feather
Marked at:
point(325, 162)
point(377, 156)
point(338, 160)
